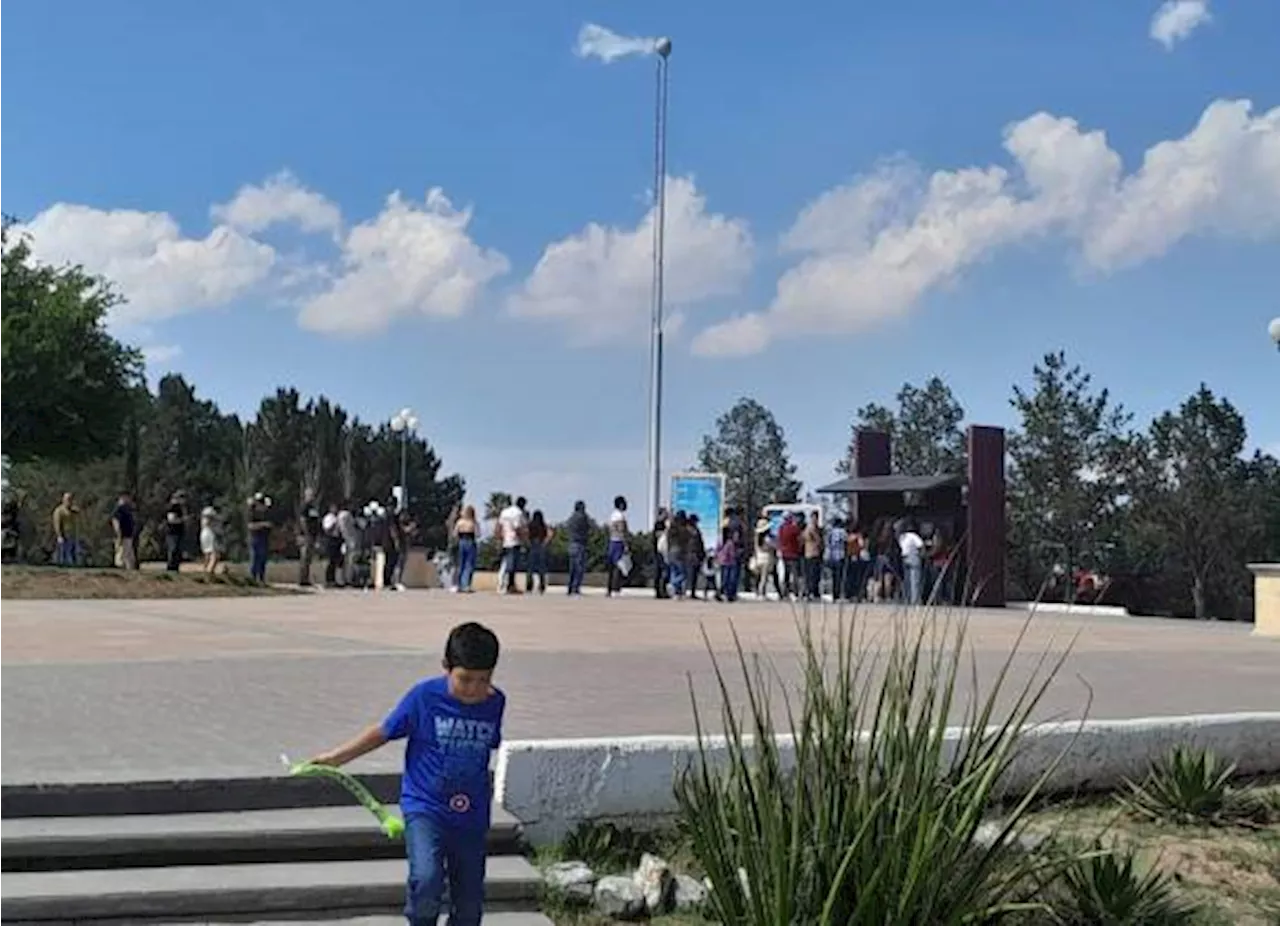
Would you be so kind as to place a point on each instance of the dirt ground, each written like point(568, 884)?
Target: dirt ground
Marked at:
point(45, 582)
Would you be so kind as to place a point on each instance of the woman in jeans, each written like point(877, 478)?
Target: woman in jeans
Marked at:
point(539, 535)
point(464, 535)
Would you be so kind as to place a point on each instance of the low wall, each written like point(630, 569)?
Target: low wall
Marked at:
point(553, 785)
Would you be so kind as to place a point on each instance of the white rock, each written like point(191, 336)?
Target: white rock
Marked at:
point(689, 894)
point(619, 897)
point(575, 880)
point(985, 836)
point(653, 877)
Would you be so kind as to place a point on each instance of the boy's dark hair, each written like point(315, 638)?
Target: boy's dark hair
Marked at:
point(471, 646)
point(620, 503)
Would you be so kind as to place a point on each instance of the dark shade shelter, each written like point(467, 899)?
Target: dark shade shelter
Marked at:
point(969, 508)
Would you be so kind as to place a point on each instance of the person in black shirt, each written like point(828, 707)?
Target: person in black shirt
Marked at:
point(579, 528)
point(175, 530)
point(124, 526)
point(309, 518)
point(259, 521)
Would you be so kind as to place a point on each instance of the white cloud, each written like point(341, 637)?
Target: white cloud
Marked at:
point(410, 259)
point(1175, 20)
point(872, 248)
point(599, 281)
point(160, 355)
point(598, 42)
point(159, 271)
point(278, 200)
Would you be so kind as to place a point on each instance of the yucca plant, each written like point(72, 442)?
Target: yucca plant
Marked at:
point(1188, 786)
point(865, 813)
point(1108, 887)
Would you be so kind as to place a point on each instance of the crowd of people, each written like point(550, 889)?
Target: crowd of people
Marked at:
point(794, 557)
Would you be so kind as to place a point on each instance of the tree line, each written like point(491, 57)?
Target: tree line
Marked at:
point(1171, 512)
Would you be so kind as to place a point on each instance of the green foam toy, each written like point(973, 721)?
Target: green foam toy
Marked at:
point(391, 825)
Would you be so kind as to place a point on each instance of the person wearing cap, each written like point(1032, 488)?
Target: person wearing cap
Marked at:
point(259, 520)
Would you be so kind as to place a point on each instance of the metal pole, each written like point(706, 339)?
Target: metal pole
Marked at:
point(404, 470)
point(663, 49)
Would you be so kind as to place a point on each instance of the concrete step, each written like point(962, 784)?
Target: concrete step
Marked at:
point(156, 840)
point(173, 796)
point(323, 890)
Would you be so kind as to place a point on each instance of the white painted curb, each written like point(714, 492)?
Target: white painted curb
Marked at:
point(553, 785)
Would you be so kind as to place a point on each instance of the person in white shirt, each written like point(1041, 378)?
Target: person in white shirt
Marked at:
point(619, 557)
point(512, 526)
point(912, 547)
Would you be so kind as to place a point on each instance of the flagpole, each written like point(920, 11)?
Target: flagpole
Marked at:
point(663, 49)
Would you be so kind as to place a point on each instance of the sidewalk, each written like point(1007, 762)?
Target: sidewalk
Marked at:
point(104, 690)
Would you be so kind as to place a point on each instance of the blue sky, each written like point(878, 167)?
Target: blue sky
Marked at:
point(857, 190)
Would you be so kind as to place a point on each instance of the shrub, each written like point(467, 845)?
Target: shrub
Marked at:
point(872, 818)
point(1192, 786)
point(1107, 887)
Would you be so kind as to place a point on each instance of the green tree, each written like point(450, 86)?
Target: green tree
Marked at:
point(925, 430)
point(495, 503)
point(67, 383)
point(1195, 502)
point(1067, 470)
point(750, 448)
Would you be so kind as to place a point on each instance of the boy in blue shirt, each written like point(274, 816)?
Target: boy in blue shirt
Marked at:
point(452, 722)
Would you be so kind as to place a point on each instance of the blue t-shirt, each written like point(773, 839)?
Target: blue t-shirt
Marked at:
point(446, 761)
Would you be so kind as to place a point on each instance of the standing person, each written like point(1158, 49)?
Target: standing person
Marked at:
point(767, 566)
point(856, 565)
point(451, 565)
point(661, 569)
point(393, 550)
point(790, 548)
point(175, 530)
point(536, 567)
point(727, 560)
point(619, 557)
point(332, 547)
point(513, 527)
point(453, 723)
point(64, 531)
point(911, 547)
point(837, 557)
point(811, 539)
point(125, 529)
point(579, 527)
point(258, 518)
point(466, 530)
point(350, 532)
point(210, 538)
point(695, 555)
point(309, 529)
point(733, 521)
point(677, 553)
point(408, 535)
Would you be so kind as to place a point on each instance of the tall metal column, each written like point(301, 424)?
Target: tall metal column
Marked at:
point(662, 48)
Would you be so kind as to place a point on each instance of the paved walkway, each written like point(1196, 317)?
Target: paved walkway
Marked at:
point(103, 690)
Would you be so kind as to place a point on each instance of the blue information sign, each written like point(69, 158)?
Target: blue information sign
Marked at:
point(701, 494)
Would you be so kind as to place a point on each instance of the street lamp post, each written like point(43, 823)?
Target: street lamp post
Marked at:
point(404, 423)
point(1274, 330)
point(662, 49)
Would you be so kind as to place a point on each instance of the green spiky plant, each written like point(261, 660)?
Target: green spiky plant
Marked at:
point(870, 816)
point(1190, 786)
point(1107, 886)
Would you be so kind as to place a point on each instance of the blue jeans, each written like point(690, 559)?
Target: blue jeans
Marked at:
point(510, 563)
point(440, 855)
point(258, 556)
point(466, 562)
point(64, 554)
point(536, 566)
point(577, 567)
point(915, 576)
point(675, 572)
point(730, 577)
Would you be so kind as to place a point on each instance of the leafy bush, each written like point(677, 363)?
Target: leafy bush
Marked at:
point(872, 818)
point(1192, 786)
point(1107, 887)
point(607, 846)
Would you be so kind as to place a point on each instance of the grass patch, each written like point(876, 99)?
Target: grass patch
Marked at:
point(52, 582)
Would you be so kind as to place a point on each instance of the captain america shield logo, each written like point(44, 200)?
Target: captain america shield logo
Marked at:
point(460, 803)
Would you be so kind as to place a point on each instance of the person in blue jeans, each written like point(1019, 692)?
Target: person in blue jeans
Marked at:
point(259, 521)
point(464, 532)
point(579, 528)
point(452, 722)
point(536, 565)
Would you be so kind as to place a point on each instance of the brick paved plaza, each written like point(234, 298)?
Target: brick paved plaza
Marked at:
point(101, 690)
